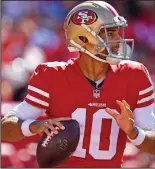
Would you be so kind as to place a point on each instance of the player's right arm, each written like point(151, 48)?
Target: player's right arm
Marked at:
point(21, 121)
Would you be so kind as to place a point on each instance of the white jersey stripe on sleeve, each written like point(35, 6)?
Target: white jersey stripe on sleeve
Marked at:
point(34, 99)
point(146, 90)
point(146, 99)
point(34, 89)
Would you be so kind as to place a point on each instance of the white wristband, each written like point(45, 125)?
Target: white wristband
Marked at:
point(140, 138)
point(25, 128)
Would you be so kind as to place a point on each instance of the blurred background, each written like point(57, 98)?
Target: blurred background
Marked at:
point(32, 33)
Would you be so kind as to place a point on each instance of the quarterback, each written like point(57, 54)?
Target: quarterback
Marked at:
point(110, 96)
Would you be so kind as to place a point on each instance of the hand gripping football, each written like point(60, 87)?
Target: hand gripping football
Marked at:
point(54, 150)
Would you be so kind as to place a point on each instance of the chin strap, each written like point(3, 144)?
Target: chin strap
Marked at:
point(113, 61)
point(82, 49)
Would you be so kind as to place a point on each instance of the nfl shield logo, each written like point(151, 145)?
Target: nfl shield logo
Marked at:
point(96, 93)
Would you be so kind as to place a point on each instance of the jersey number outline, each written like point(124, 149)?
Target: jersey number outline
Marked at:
point(80, 115)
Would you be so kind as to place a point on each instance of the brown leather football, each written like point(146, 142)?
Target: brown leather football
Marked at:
point(54, 150)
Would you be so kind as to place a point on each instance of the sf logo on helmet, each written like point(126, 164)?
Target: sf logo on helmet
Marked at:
point(84, 17)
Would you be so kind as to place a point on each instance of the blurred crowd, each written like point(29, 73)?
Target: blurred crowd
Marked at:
point(32, 33)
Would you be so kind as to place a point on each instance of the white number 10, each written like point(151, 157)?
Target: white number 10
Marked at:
point(80, 115)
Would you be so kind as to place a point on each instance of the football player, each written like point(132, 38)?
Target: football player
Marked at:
point(111, 97)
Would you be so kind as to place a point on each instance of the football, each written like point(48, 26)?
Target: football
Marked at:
point(54, 150)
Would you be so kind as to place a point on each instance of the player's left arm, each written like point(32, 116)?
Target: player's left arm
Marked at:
point(145, 119)
point(143, 136)
point(139, 125)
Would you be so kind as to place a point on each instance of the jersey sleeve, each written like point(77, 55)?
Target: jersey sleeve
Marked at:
point(145, 88)
point(38, 89)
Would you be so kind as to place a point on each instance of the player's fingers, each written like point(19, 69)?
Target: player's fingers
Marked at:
point(128, 110)
point(58, 124)
point(40, 132)
point(47, 132)
point(126, 104)
point(112, 113)
point(121, 105)
point(49, 125)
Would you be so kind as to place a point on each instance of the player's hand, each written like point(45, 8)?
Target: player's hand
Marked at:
point(125, 119)
point(40, 126)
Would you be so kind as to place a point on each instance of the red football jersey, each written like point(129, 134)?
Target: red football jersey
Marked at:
point(63, 91)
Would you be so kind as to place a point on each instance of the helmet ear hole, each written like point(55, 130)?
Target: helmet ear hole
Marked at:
point(83, 39)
